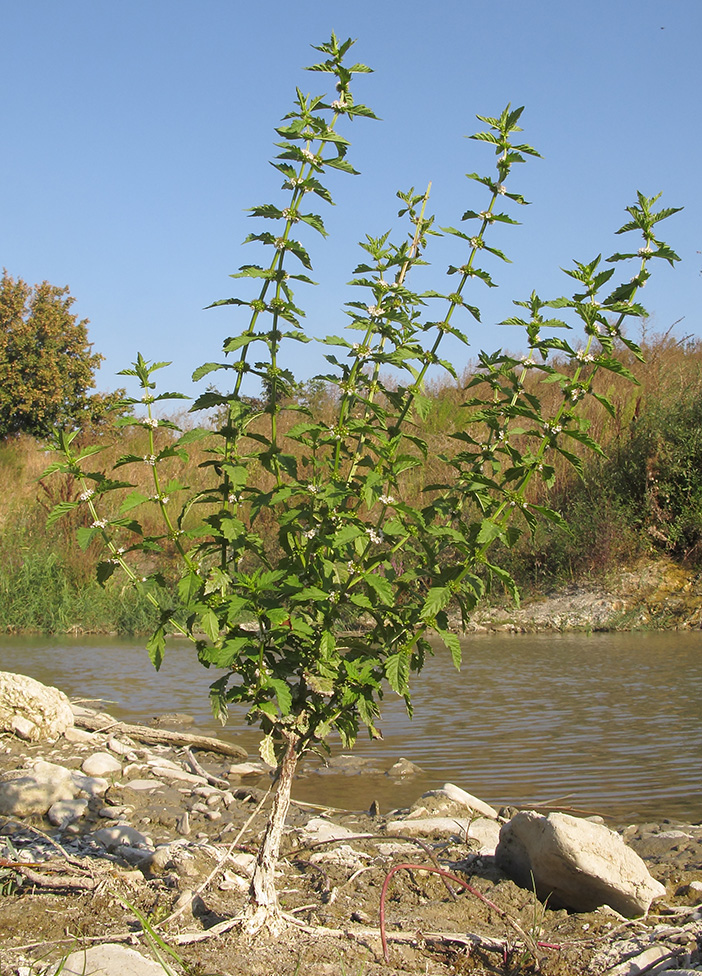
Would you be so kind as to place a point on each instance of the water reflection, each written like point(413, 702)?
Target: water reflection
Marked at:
point(612, 721)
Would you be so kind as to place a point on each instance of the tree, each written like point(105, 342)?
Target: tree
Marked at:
point(47, 365)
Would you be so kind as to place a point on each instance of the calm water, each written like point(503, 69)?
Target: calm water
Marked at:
point(607, 723)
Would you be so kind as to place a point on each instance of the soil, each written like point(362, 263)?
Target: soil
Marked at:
point(330, 893)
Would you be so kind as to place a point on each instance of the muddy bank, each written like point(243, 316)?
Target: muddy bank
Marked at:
point(159, 838)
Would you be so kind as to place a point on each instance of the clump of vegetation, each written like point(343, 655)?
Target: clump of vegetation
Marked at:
point(308, 525)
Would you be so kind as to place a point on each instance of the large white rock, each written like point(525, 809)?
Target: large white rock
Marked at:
point(34, 790)
point(34, 710)
point(575, 863)
point(107, 960)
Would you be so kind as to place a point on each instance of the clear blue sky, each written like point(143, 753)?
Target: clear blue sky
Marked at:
point(135, 134)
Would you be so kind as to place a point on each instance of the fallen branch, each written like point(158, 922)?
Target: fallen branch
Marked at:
point(55, 881)
point(87, 718)
point(201, 771)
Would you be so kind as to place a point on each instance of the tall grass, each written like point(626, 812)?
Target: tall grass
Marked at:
point(643, 498)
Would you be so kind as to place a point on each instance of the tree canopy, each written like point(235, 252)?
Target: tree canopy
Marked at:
point(47, 366)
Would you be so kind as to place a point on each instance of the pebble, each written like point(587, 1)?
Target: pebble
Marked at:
point(101, 764)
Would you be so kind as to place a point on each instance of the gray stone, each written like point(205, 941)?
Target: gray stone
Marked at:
point(403, 767)
point(34, 790)
point(119, 836)
point(319, 829)
point(92, 785)
point(78, 736)
point(101, 764)
point(107, 960)
point(430, 827)
point(458, 795)
point(63, 812)
point(24, 700)
point(576, 864)
point(143, 784)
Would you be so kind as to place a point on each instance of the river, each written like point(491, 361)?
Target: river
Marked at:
point(605, 723)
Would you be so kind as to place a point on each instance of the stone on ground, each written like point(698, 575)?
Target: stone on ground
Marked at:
point(31, 709)
point(108, 960)
point(575, 863)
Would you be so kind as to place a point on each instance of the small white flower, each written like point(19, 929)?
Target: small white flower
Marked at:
point(309, 155)
point(99, 523)
point(475, 242)
point(147, 398)
point(149, 459)
point(644, 251)
point(374, 311)
point(486, 215)
point(310, 533)
point(387, 500)
point(85, 495)
point(151, 422)
point(233, 499)
point(279, 243)
point(375, 536)
point(313, 489)
point(584, 357)
point(121, 551)
point(501, 189)
point(382, 283)
point(291, 215)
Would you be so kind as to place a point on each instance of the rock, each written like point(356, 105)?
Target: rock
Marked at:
point(576, 864)
point(78, 736)
point(63, 812)
point(24, 700)
point(35, 790)
point(120, 835)
point(143, 784)
point(429, 826)
point(403, 767)
point(458, 795)
point(248, 769)
point(92, 785)
point(319, 829)
point(107, 960)
point(101, 764)
point(23, 728)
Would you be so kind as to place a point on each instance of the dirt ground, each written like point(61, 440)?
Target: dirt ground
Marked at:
point(331, 896)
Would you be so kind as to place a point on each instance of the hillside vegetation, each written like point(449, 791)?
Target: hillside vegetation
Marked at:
point(643, 497)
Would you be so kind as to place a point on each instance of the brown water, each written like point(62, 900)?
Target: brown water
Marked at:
point(607, 723)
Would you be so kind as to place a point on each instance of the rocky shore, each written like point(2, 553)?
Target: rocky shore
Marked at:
point(652, 595)
point(122, 846)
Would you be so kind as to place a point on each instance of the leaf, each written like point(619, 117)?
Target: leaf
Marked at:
point(437, 598)
point(283, 695)
point(454, 645)
point(210, 624)
point(382, 587)
point(133, 499)
point(105, 569)
point(156, 646)
point(266, 751)
point(85, 536)
point(489, 531)
point(397, 671)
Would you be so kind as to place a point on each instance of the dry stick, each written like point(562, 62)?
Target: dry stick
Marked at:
point(95, 722)
point(44, 881)
point(200, 771)
point(473, 891)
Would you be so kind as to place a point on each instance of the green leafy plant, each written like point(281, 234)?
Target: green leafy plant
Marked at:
point(312, 624)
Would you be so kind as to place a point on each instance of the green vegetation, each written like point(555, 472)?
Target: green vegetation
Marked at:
point(302, 526)
point(643, 499)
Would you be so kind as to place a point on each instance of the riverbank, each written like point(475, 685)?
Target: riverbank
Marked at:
point(156, 847)
point(650, 595)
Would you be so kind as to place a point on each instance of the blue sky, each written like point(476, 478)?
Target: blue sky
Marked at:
point(136, 134)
